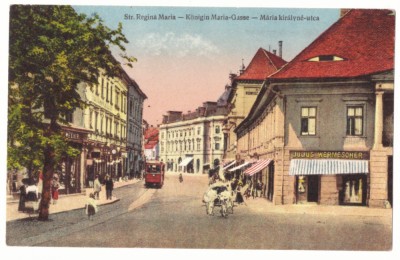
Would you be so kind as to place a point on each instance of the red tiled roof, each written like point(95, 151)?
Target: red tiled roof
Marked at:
point(262, 65)
point(363, 38)
point(151, 133)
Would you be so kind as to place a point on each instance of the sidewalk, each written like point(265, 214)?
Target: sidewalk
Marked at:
point(264, 206)
point(67, 202)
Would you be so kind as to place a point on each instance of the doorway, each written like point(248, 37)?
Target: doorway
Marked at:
point(390, 180)
point(270, 181)
point(307, 188)
point(312, 188)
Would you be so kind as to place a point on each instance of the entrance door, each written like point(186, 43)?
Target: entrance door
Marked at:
point(312, 188)
point(270, 192)
point(390, 180)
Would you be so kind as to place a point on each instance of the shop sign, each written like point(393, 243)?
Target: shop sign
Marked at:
point(347, 155)
point(73, 135)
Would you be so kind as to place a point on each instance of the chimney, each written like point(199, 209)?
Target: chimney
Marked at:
point(242, 68)
point(280, 49)
point(232, 76)
point(274, 52)
point(165, 119)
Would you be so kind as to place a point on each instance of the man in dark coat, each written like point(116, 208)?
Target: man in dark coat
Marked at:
point(109, 187)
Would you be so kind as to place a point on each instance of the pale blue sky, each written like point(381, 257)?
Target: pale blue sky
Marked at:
point(192, 58)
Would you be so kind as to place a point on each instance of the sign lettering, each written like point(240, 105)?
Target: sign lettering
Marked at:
point(329, 155)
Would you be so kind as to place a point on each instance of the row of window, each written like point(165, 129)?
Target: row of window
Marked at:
point(106, 90)
point(104, 124)
point(354, 122)
point(184, 146)
point(189, 132)
point(135, 133)
point(135, 110)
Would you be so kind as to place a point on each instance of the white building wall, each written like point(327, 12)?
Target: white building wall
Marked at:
point(200, 139)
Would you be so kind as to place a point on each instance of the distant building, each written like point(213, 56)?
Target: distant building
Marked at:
point(193, 142)
point(151, 146)
point(321, 128)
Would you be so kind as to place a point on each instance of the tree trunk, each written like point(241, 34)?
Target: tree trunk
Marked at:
point(48, 171)
point(47, 180)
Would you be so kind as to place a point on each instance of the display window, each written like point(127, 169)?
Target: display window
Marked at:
point(354, 190)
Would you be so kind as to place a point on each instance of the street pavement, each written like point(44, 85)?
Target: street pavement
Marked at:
point(260, 205)
point(175, 217)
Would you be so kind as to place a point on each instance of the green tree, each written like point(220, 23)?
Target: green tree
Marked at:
point(52, 49)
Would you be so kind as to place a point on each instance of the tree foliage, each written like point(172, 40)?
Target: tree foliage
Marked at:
point(52, 49)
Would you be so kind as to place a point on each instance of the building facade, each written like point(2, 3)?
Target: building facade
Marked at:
point(106, 116)
point(244, 90)
point(134, 145)
point(324, 122)
point(193, 142)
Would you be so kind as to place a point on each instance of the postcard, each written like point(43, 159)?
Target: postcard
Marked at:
point(200, 127)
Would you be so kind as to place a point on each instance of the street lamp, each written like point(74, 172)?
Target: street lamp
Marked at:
point(113, 152)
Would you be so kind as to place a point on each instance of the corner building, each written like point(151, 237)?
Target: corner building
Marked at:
point(243, 92)
point(324, 122)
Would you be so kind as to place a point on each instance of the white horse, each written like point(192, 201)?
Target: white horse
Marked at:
point(209, 198)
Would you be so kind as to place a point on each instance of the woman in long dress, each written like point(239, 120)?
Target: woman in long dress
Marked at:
point(22, 197)
point(239, 196)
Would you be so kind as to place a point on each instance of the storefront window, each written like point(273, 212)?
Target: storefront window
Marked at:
point(353, 190)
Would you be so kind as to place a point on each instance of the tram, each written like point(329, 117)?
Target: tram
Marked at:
point(154, 174)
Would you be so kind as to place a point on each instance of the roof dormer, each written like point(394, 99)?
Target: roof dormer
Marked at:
point(321, 58)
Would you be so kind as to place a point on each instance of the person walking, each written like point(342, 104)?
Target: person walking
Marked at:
point(55, 185)
point(40, 184)
point(239, 197)
point(259, 187)
point(91, 207)
point(22, 197)
point(31, 198)
point(97, 187)
point(109, 187)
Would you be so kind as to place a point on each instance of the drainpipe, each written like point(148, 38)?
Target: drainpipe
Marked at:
point(283, 156)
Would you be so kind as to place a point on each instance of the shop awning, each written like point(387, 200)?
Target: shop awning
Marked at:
point(227, 161)
point(186, 161)
point(258, 166)
point(240, 166)
point(229, 165)
point(327, 167)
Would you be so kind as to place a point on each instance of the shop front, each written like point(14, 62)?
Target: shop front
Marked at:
point(71, 170)
point(186, 165)
point(330, 178)
point(260, 182)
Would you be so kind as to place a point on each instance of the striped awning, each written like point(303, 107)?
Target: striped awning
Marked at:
point(258, 166)
point(186, 161)
point(239, 167)
point(229, 165)
point(327, 167)
point(227, 161)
